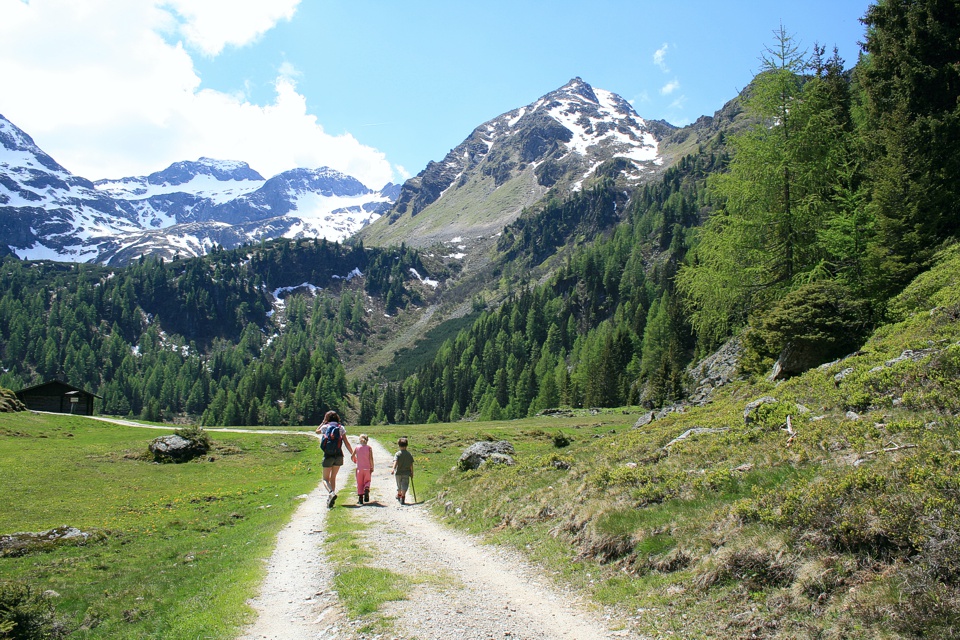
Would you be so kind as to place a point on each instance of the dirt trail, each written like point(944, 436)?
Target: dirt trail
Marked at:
point(457, 587)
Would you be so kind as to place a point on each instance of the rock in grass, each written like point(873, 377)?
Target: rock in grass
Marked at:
point(478, 452)
point(644, 420)
point(24, 543)
point(175, 448)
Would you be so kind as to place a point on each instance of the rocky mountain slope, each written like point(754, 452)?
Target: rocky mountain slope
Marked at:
point(550, 148)
point(186, 209)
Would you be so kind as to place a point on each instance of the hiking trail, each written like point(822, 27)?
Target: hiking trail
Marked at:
point(456, 586)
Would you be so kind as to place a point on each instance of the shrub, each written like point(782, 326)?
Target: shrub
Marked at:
point(27, 615)
point(197, 435)
point(822, 320)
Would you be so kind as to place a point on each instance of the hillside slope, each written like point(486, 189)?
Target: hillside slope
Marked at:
point(824, 506)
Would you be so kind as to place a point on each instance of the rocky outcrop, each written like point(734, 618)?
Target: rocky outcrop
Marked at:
point(715, 370)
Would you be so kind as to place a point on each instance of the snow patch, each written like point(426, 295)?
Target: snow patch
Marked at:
point(427, 281)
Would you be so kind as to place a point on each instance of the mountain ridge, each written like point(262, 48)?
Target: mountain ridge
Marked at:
point(187, 209)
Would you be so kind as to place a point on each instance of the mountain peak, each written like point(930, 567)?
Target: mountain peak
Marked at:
point(185, 171)
point(577, 87)
point(555, 144)
point(14, 141)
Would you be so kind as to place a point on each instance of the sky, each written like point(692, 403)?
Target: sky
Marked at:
point(373, 88)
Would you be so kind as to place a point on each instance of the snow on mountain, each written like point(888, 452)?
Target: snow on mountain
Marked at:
point(554, 145)
point(187, 209)
point(216, 180)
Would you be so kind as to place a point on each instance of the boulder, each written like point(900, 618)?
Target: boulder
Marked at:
point(645, 419)
point(796, 357)
point(176, 448)
point(478, 452)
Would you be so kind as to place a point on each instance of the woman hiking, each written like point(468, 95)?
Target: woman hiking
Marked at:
point(332, 436)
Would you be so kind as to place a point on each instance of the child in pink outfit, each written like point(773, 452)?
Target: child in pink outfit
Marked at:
point(364, 458)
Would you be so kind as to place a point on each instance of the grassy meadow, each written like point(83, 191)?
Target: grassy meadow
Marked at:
point(175, 549)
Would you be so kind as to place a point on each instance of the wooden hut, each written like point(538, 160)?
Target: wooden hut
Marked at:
point(58, 397)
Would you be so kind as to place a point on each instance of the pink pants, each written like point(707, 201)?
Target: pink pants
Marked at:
point(363, 480)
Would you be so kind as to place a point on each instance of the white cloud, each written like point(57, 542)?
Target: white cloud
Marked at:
point(659, 58)
point(101, 88)
point(210, 25)
point(670, 87)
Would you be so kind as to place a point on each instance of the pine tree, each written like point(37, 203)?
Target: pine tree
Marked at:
point(911, 80)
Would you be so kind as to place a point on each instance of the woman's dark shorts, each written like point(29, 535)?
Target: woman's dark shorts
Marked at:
point(333, 461)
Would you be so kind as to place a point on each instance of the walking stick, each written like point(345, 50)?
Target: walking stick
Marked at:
point(414, 488)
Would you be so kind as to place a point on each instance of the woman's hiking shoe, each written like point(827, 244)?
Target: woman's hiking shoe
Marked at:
point(330, 500)
point(366, 495)
point(360, 499)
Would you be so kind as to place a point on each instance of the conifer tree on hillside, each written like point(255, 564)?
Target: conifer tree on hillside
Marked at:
point(911, 81)
point(783, 216)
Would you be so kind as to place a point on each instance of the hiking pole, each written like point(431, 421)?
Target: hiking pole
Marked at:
point(414, 488)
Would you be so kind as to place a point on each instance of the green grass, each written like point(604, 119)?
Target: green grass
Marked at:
point(362, 589)
point(182, 545)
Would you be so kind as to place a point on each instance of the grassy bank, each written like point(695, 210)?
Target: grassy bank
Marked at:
point(174, 550)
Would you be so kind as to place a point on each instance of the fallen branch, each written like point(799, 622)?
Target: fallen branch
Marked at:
point(789, 429)
point(894, 447)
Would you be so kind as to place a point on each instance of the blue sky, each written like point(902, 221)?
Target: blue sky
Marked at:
point(375, 88)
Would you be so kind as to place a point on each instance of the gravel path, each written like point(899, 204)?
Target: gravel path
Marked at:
point(457, 587)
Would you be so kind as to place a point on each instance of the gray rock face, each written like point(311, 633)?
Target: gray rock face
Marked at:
point(479, 452)
point(715, 370)
point(176, 449)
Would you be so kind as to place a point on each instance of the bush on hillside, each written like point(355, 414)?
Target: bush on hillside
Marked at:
point(196, 435)
point(820, 321)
